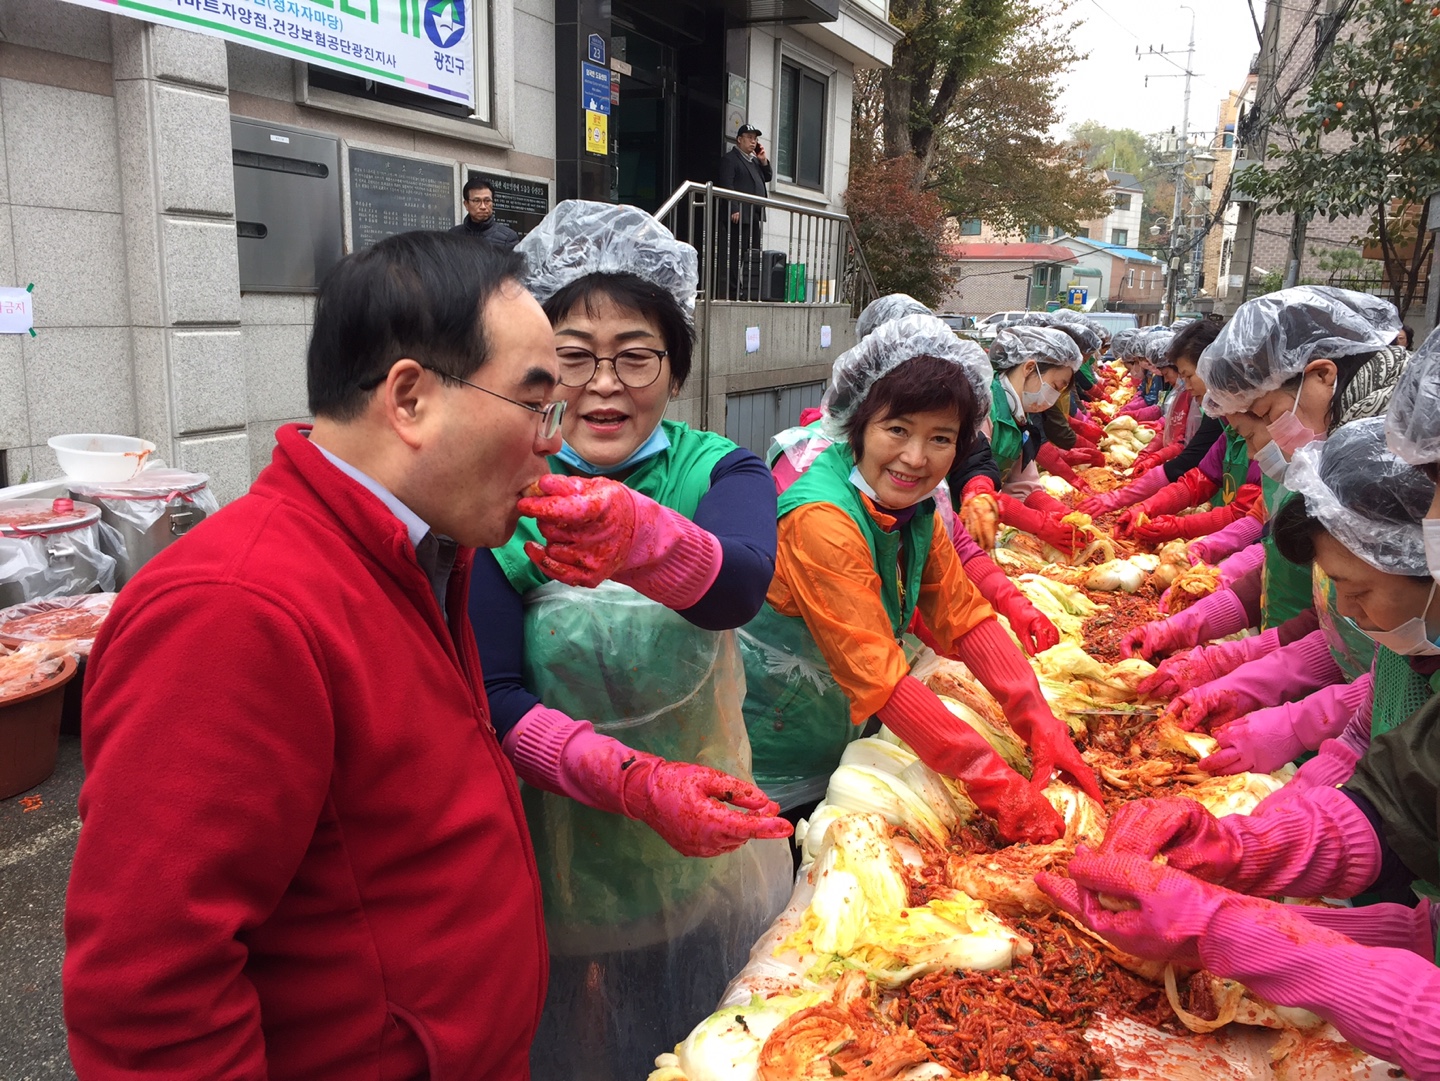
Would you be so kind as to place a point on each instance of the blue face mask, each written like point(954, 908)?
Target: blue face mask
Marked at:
point(657, 443)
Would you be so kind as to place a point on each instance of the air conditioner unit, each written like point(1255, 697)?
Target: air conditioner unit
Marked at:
point(1241, 164)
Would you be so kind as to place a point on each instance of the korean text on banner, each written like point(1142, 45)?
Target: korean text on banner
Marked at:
point(16, 314)
point(425, 46)
point(597, 128)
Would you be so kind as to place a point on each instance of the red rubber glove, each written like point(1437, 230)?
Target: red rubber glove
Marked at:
point(1170, 912)
point(1157, 457)
point(980, 511)
point(1087, 428)
point(1050, 459)
point(1001, 669)
point(598, 529)
point(1046, 503)
point(1035, 631)
point(950, 746)
point(1201, 524)
point(1084, 456)
point(1047, 527)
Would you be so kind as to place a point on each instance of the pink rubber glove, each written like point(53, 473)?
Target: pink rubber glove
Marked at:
point(1035, 631)
point(1386, 925)
point(1220, 614)
point(598, 529)
point(1243, 563)
point(1226, 542)
point(1332, 766)
point(1144, 486)
point(1318, 843)
point(1383, 1000)
point(1200, 665)
point(694, 808)
point(1285, 675)
point(1003, 671)
point(1140, 410)
point(1268, 738)
point(950, 746)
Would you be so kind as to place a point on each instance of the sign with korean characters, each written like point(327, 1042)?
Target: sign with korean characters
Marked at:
point(425, 46)
point(597, 132)
point(594, 89)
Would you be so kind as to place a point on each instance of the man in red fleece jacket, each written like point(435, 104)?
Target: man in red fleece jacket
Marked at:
point(303, 854)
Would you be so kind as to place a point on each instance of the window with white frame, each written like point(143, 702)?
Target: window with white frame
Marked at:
point(1122, 201)
point(1120, 237)
point(800, 142)
point(1130, 280)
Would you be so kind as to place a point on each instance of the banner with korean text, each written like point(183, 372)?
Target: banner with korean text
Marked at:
point(427, 46)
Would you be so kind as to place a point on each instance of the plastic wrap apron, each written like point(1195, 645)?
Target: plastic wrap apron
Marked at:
point(642, 939)
point(1286, 588)
point(797, 715)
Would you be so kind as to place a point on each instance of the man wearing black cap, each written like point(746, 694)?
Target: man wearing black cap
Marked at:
point(744, 168)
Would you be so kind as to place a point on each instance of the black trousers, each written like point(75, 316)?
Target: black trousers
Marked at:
point(737, 240)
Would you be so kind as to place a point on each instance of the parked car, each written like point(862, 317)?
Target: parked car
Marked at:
point(958, 323)
point(1114, 322)
point(986, 329)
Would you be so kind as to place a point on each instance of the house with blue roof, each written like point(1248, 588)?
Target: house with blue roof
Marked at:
point(1124, 278)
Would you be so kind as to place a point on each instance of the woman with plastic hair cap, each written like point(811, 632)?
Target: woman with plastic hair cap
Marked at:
point(1066, 438)
point(606, 633)
point(1370, 971)
point(794, 450)
point(885, 309)
point(1033, 366)
point(1412, 428)
point(859, 561)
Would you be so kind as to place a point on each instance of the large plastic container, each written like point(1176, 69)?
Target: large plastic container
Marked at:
point(30, 732)
point(91, 456)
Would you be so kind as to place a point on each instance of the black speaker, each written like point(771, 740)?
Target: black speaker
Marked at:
point(764, 277)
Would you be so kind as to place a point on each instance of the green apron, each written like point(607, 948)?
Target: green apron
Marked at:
point(1286, 589)
point(1399, 691)
point(797, 716)
point(1233, 470)
point(1352, 648)
point(1007, 441)
point(642, 673)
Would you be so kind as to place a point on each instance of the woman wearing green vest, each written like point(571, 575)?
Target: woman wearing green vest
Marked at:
point(858, 558)
point(605, 630)
point(1371, 970)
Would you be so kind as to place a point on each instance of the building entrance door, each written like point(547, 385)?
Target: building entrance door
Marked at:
point(644, 119)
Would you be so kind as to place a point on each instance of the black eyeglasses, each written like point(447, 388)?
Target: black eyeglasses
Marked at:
point(635, 368)
point(550, 415)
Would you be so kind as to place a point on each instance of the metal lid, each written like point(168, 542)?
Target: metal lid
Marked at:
point(37, 517)
point(147, 484)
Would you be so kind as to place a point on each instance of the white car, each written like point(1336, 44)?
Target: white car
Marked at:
point(986, 329)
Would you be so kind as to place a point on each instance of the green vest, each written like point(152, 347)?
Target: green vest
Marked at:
point(1399, 691)
point(797, 716)
point(646, 676)
point(677, 478)
point(1007, 438)
point(1286, 589)
point(1352, 648)
point(1233, 470)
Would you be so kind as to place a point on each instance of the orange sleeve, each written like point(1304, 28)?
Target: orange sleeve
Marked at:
point(1258, 511)
point(825, 575)
point(949, 603)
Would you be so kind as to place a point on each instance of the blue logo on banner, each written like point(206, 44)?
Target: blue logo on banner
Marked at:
point(445, 22)
point(594, 89)
point(597, 49)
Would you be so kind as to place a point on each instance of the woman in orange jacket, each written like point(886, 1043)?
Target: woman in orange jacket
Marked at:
point(858, 558)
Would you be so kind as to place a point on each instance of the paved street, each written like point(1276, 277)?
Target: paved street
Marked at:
point(37, 841)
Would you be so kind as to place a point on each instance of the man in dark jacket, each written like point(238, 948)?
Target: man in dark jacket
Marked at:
point(744, 168)
point(480, 216)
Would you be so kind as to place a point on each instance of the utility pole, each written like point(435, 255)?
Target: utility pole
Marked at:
point(1177, 230)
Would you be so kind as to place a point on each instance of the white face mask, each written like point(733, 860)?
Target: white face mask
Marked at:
point(1041, 400)
point(1410, 639)
point(1272, 462)
point(1430, 527)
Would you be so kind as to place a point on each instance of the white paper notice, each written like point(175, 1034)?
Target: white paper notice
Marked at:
point(824, 337)
point(752, 339)
point(16, 314)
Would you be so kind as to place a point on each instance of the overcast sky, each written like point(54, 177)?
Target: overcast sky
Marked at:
point(1110, 87)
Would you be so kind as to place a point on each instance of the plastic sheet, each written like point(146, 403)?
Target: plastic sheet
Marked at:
point(73, 621)
point(63, 564)
point(142, 501)
point(579, 238)
point(1412, 424)
point(887, 347)
point(883, 309)
point(1368, 499)
point(1271, 339)
point(642, 939)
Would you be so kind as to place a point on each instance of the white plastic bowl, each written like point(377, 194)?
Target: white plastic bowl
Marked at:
point(91, 457)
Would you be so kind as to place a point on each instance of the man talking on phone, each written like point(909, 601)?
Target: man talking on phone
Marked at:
point(744, 168)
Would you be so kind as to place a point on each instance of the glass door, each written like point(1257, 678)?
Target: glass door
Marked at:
point(643, 122)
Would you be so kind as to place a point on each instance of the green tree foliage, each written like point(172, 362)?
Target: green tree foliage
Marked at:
point(1113, 148)
point(1367, 143)
point(901, 228)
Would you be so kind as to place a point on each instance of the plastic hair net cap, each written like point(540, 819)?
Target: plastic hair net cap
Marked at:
point(1069, 323)
point(1120, 344)
point(1368, 499)
point(1271, 339)
point(579, 238)
point(1157, 349)
point(886, 308)
point(1013, 346)
point(887, 347)
point(1412, 425)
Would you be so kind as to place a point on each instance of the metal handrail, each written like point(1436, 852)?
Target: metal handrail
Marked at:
point(823, 242)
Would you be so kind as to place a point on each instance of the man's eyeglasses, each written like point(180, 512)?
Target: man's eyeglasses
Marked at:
point(635, 368)
point(550, 415)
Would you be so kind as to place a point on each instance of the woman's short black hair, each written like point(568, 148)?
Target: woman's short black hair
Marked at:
point(1294, 528)
point(1191, 340)
point(1346, 368)
point(421, 295)
point(919, 385)
point(632, 293)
